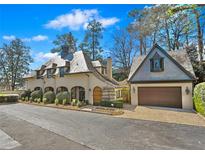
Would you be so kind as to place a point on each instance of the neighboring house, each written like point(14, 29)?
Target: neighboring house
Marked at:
point(162, 78)
point(83, 78)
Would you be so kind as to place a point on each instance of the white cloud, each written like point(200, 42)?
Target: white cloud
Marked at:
point(109, 21)
point(42, 57)
point(34, 38)
point(40, 38)
point(9, 37)
point(26, 39)
point(77, 19)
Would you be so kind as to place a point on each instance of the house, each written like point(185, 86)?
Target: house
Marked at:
point(83, 78)
point(162, 78)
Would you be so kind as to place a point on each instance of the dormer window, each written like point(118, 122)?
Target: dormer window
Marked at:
point(157, 63)
point(49, 73)
point(61, 71)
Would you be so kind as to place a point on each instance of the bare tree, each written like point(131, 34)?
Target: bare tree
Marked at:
point(123, 50)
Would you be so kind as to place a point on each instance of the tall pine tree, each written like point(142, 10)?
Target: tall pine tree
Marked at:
point(91, 42)
point(65, 44)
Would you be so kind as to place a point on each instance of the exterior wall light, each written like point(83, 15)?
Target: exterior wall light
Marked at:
point(187, 90)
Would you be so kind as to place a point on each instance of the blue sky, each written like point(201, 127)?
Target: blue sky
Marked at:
point(38, 25)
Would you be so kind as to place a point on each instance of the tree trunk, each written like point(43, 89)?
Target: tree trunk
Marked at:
point(168, 37)
point(141, 45)
point(200, 42)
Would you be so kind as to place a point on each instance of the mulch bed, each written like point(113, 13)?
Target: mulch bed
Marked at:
point(88, 108)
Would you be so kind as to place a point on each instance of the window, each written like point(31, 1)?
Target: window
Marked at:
point(49, 73)
point(157, 63)
point(67, 69)
point(38, 74)
point(61, 70)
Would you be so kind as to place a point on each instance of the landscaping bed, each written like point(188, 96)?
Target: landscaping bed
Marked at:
point(87, 108)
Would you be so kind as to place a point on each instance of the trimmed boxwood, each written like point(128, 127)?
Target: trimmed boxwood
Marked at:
point(199, 98)
point(116, 104)
point(36, 94)
point(63, 96)
point(25, 94)
point(49, 97)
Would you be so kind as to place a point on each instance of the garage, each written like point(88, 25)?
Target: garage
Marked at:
point(160, 96)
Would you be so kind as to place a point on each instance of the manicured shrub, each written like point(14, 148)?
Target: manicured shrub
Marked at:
point(50, 97)
point(26, 93)
point(63, 96)
point(39, 100)
point(36, 94)
point(116, 104)
point(64, 102)
point(74, 102)
point(80, 104)
point(44, 100)
point(199, 98)
point(26, 99)
point(56, 101)
point(23, 98)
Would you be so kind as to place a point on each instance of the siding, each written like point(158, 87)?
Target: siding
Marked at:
point(171, 71)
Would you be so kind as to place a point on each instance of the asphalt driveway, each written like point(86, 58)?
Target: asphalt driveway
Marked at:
point(96, 131)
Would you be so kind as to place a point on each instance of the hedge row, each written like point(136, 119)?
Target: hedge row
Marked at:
point(116, 104)
point(9, 98)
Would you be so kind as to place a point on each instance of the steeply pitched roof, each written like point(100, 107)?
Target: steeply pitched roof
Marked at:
point(179, 57)
point(96, 63)
point(80, 63)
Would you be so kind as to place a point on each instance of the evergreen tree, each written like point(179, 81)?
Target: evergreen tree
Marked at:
point(91, 42)
point(14, 61)
point(65, 44)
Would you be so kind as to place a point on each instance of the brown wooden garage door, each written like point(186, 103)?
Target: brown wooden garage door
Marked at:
point(160, 96)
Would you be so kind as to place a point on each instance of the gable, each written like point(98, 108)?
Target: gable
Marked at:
point(172, 71)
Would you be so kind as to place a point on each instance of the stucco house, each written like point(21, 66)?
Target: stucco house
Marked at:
point(83, 78)
point(162, 78)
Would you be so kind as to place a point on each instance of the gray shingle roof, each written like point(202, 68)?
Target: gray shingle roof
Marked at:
point(79, 64)
point(180, 56)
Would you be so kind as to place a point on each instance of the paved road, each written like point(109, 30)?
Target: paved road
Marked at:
point(98, 131)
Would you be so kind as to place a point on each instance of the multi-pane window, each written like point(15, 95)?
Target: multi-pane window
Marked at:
point(157, 63)
point(49, 73)
point(61, 70)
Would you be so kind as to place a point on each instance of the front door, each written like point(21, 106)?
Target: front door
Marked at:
point(97, 95)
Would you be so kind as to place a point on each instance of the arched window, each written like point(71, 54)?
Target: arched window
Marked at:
point(78, 93)
point(48, 89)
point(37, 88)
point(61, 89)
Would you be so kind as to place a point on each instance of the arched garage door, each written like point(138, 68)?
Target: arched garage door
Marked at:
point(160, 96)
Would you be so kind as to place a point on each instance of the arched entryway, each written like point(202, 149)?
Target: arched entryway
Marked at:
point(37, 88)
point(61, 89)
point(48, 89)
point(97, 95)
point(78, 93)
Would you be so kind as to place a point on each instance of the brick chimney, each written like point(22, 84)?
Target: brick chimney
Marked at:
point(109, 67)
